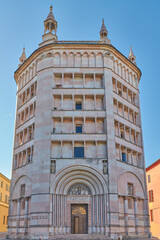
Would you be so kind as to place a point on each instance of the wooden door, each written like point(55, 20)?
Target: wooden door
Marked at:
point(79, 219)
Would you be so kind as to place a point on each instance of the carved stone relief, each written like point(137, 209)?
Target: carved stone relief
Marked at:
point(79, 189)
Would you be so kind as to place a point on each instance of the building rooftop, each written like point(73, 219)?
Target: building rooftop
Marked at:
point(153, 165)
point(5, 177)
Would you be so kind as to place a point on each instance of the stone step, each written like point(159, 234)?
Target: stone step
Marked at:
point(80, 237)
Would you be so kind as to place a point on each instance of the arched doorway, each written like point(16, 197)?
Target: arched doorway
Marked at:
point(76, 190)
point(79, 212)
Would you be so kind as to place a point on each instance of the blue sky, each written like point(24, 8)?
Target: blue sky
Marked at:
point(129, 23)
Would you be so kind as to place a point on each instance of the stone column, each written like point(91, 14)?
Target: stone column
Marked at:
point(135, 137)
point(73, 80)
point(65, 213)
point(96, 149)
point(73, 105)
point(84, 80)
point(130, 134)
point(72, 149)
point(95, 102)
point(117, 106)
point(126, 214)
point(94, 79)
point(61, 124)
point(120, 152)
point(31, 155)
point(105, 214)
point(73, 127)
point(122, 89)
point(61, 102)
point(83, 102)
point(53, 211)
point(118, 130)
point(123, 110)
point(135, 215)
point(93, 215)
point(26, 215)
point(131, 157)
point(124, 132)
point(62, 79)
point(95, 120)
point(30, 93)
point(29, 111)
point(97, 214)
point(84, 148)
point(61, 149)
point(102, 213)
point(61, 210)
point(18, 214)
point(23, 137)
point(22, 158)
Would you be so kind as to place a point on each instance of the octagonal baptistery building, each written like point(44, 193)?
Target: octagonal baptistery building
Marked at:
point(78, 161)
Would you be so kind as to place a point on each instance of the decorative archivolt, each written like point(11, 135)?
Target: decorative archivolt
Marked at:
point(16, 192)
point(129, 177)
point(77, 174)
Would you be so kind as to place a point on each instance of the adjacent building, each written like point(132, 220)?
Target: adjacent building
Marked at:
point(78, 161)
point(153, 182)
point(4, 202)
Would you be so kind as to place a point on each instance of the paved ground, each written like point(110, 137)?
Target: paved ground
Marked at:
point(2, 235)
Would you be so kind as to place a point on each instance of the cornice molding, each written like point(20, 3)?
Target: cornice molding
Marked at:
point(79, 45)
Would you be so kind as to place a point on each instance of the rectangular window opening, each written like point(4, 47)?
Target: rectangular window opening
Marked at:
point(22, 193)
point(149, 178)
point(79, 128)
point(130, 189)
point(78, 106)
point(151, 197)
point(151, 215)
point(3, 220)
point(79, 152)
point(124, 157)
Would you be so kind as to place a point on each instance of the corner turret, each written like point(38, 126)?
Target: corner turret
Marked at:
point(50, 28)
point(104, 34)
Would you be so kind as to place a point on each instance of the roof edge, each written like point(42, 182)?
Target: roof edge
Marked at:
point(78, 43)
point(153, 165)
point(5, 177)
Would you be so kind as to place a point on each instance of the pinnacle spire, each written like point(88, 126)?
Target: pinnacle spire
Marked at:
point(103, 27)
point(103, 32)
point(23, 57)
point(50, 15)
point(131, 56)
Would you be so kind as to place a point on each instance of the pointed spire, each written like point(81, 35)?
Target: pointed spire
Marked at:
point(22, 58)
point(50, 15)
point(103, 32)
point(103, 27)
point(131, 56)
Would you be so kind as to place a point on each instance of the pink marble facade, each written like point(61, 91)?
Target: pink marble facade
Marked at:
point(52, 81)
